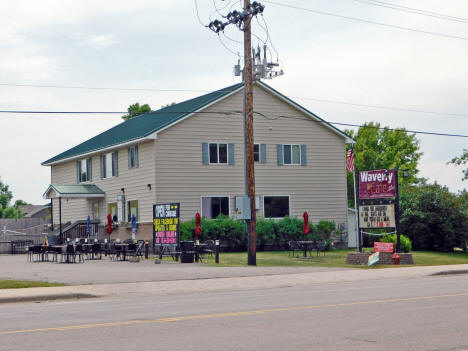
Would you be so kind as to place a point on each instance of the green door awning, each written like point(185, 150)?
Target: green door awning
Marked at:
point(73, 191)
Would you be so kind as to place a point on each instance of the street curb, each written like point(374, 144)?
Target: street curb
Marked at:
point(461, 271)
point(47, 297)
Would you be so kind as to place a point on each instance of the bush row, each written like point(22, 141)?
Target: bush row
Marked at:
point(271, 234)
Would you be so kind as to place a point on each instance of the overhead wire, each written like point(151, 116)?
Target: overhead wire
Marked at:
point(330, 101)
point(367, 21)
point(414, 10)
point(240, 113)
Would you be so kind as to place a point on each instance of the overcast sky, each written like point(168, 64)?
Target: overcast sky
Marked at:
point(161, 44)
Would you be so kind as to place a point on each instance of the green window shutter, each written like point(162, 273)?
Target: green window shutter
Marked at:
point(205, 156)
point(303, 155)
point(279, 152)
point(129, 151)
point(230, 153)
point(78, 171)
point(137, 160)
point(103, 165)
point(115, 165)
point(89, 166)
point(263, 153)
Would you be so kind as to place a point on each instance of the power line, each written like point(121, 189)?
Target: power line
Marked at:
point(414, 10)
point(234, 112)
point(394, 108)
point(366, 21)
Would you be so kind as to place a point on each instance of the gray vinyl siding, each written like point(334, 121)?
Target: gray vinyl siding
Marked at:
point(134, 181)
point(318, 187)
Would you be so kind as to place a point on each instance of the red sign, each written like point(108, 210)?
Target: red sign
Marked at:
point(383, 247)
point(377, 184)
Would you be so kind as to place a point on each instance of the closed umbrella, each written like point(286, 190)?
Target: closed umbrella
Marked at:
point(109, 224)
point(198, 230)
point(133, 226)
point(88, 226)
point(306, 228)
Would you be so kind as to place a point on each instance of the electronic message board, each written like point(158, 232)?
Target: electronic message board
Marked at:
point(377, 216)
point(166, 224)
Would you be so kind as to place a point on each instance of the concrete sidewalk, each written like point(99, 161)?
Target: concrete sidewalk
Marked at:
point(180, 286)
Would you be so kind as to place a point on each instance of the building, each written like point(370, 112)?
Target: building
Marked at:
point(193, 153)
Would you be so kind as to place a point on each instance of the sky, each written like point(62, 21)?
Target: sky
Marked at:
point(163, 45)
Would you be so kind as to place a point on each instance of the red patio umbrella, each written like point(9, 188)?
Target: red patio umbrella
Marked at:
point(306, 228)
point(198, 230)
point(109, 224)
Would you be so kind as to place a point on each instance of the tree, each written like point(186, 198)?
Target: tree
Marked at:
point(5, 196)
point(384, 148)
point(167, 105)
point(7, 211)
point(461, 161)
point(433, 218)
point(136, 110)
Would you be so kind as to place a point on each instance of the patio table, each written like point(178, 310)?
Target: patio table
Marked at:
point(306, 245)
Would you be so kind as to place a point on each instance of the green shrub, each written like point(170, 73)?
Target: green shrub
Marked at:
point(266, 232)
point(325, 229)
point(290, 229)
point(405, 242)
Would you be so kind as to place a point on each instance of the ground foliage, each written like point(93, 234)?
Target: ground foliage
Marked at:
point(433, 217)
point(270, 233)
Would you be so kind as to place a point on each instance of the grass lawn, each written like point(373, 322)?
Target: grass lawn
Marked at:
point(335, 258)
point(17, 284)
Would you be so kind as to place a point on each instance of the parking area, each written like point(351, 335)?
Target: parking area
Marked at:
point(106, 271)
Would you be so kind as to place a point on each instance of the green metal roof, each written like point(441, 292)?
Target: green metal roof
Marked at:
point(143, 125)
point(81, 190)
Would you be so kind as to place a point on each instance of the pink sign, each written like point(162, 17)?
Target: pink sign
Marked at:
point(383, 247)
point(376, 184)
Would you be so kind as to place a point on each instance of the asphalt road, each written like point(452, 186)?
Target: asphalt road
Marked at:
point(427, 313)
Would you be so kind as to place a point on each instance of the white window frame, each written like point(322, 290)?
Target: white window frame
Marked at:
point(116, 210)
point(129, 214)
point(209, 154)
point(108, 156)
point(211, 196)
point(136, 161)
point(300, 155)
point(256, 144)
point(84, 164)
point(277, 195)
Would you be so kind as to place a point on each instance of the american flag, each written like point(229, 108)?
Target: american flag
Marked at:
point(350, 160)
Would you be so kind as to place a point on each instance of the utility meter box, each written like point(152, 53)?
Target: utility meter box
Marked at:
point(243, 207)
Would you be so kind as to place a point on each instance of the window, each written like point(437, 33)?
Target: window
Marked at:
point(132, 207)
point(112, 210)
point(109, 165)
point(84, 170)
point(218, 153)
point(292, 154)
point(212, 207)
point(133, 157)
point(275, 206)
point(256, 152)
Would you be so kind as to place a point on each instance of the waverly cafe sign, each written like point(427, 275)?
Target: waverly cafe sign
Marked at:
point(377, 184)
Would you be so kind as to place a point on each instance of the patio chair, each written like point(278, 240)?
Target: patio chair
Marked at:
point(209, 248)
point(79, 252)
point(69, 254)
point(321, 247)
point(96, 250)
point(132, 249)
point(293, 246)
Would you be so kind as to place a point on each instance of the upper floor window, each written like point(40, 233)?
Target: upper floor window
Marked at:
point(84, 170)
point(292, 154)
point(217, 153)
point(260, 153)
point(109, 165)
point(133, 157)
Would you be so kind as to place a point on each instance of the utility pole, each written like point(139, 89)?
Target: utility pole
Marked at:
point(249, 136)
point(264, 70)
